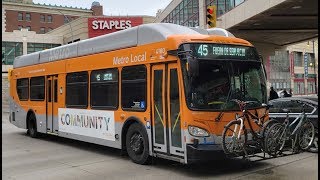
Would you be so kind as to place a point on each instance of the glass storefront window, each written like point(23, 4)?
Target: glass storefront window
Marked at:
point(185, 14)
point(229, 5)
point(10, 50)
point(299, 76)
point(279, 71)
point(297, 59)
point(298, 88)
point(221, 7)
point(35, 47)
point(310, 87)
point(311, 60)
point(237, 2)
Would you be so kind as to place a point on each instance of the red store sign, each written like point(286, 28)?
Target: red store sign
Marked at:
point(99, 26)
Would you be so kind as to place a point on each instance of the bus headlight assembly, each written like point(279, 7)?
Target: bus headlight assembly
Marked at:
point(198, 132)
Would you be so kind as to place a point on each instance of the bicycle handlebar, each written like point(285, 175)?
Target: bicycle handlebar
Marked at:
point(242, 104)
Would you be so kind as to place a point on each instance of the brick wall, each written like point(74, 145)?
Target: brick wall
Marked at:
point(12, 21)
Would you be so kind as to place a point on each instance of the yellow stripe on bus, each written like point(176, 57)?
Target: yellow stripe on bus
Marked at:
point(159, 115)
point(175, 123)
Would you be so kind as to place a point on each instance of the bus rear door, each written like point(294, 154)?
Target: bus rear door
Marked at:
point(52, 104)
point(166, 121)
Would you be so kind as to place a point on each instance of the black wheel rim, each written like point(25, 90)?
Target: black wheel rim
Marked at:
point(136, 143)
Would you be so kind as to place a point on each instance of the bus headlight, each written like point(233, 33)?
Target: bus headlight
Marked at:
point(198, 132)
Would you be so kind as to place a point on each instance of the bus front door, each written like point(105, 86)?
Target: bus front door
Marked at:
point(52, 104)
point(166, 121)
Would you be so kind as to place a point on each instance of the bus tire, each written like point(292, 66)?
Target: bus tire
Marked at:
point(32, 126)
point(137, 144)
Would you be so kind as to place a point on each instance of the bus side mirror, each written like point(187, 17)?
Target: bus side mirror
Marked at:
point(192, 66)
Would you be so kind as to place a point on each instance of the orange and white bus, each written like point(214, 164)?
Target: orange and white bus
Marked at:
point(155, 90)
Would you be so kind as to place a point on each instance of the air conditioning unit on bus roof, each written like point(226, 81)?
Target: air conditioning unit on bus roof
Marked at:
point(213, 31)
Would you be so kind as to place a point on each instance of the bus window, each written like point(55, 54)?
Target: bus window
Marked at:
point(175, 109)
point(23, 89)
point(37, 88)
point(133, 83)
point(49, 91)
point(77, 90)
point(104, 89)
point(55, 90)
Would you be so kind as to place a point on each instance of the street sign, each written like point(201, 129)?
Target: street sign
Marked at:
point(306, 65)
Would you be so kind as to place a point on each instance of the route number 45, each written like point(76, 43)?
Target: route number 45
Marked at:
point(203, 50)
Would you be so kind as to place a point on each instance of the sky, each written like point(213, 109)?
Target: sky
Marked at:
point(115, 7)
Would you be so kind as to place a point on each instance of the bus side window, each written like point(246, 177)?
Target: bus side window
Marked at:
point(77, 90)
point(37, 88)
point(104, 89)
point(23, 89)
point(134, 88)
point(49, 91)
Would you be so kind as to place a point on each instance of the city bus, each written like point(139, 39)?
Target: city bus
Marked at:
point(155, 90)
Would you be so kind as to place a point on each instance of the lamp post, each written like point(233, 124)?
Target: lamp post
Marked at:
point(68, 22)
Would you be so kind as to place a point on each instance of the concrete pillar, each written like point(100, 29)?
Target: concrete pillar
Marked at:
point(24, 46)
point(202, 15)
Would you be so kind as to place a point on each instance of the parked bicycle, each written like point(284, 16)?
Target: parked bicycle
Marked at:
point(235, 135)
point(300, 131)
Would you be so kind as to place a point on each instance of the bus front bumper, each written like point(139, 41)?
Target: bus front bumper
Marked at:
point(204, 152)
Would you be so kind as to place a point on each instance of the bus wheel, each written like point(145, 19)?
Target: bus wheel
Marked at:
point(32, 126)
point(137, 144)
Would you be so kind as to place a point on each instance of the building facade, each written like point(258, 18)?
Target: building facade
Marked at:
point(293, 67)
point(22, 41)
point(25, 24)
point(88, 27)
point(28, 27)
point(40, 18)
point(192, 13)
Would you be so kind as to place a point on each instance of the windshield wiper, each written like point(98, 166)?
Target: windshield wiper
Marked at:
point(221, 111)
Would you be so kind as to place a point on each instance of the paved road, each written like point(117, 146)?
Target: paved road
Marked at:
point(56, 158)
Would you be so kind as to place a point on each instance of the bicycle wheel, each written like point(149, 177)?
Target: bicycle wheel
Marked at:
point(275, 139)
point(266, 126)
point(306, 135)
point(314, 147)
point(232, 143)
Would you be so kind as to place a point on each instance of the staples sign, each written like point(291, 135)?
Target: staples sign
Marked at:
point(104, 24)
point(100, 26)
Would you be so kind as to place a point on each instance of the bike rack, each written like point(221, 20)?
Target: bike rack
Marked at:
point(264, 156)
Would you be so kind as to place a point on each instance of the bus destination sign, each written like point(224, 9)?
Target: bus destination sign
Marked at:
point(224, 51)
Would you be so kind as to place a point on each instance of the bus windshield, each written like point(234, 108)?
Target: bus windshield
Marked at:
point(211, 82)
